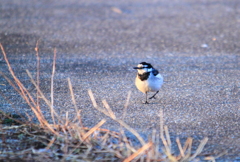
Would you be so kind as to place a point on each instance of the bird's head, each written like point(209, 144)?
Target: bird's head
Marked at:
point(144, 67)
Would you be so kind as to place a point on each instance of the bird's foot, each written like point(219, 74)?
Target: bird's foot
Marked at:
point(145, 102)
point(152, 97)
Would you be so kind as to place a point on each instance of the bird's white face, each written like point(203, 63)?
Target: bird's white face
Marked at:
point(143, 68)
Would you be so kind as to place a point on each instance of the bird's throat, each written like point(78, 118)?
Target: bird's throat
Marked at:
point(143, 76)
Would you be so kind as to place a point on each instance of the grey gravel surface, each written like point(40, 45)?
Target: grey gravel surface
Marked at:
point(194, 44)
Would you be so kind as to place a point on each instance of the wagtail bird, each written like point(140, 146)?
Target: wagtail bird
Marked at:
point(148, 79)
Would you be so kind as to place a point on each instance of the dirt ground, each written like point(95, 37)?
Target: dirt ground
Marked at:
point(194, 44)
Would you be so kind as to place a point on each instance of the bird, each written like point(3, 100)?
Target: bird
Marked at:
point(148, 79)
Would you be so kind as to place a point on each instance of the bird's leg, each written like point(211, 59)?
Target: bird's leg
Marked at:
point(154, 95)
point(146, 102)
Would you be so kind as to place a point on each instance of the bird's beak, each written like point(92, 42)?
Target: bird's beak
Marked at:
point(135, 67)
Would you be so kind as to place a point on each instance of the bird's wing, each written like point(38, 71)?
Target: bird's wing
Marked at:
point(155, 72)
point(159, 76)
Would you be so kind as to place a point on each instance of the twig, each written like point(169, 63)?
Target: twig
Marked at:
point(50, 143)
point(152, 153)
point(38, 89)
point(10, 82)
point(180, 147)
point(130, 148)
point(199, 149)
point(187, 147)
point(14, 127)
point(23, 91)
point(67, 120)
point(117, 120)
point(164, 141)
point(161, 122)
point(53, 72)
point(74, 102)
point(132, 131)
point(94, 129)
point(212, 158)
point(168, 139)
point(110, 112)
point(126, 105)
point(139, 151)
point(157, 143)
point(38, 69)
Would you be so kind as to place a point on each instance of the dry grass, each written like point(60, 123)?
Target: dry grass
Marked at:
point(71, 141)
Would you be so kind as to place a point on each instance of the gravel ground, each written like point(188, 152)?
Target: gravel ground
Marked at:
point(194, 44)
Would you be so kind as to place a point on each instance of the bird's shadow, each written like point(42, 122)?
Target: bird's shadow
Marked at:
point(150, 103)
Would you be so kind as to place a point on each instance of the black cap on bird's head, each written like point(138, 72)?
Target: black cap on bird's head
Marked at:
point(143, 65)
